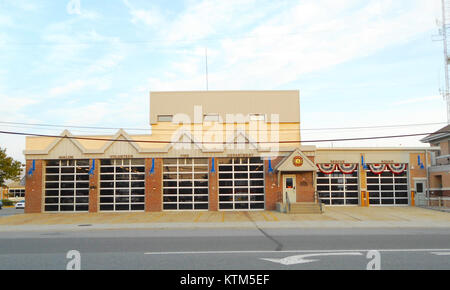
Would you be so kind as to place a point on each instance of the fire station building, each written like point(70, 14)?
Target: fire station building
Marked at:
point(215, 151)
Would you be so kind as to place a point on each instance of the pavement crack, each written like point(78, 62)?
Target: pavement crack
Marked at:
point(279, 245)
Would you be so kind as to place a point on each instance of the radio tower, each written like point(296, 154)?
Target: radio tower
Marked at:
point(446, 37)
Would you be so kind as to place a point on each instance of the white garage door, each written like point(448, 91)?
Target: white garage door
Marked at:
point(241, 184)
point(122, 185)
point(185, 184)
point(388, 188)
point(66, 185)
point(338, 188)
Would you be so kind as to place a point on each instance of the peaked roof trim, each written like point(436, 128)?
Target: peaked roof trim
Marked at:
point(64, 134)
point(120, 133)
point(282, 166)
point(192, 139)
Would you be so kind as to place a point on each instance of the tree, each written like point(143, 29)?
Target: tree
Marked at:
point(9, 168)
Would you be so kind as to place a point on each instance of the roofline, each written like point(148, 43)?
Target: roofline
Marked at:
point(204, 91)
point(434, 137)
point(377, 148)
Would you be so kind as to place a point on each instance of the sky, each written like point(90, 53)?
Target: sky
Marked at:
point(357, 63)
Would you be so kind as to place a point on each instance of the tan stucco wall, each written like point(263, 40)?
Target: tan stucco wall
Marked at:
point(284, 103)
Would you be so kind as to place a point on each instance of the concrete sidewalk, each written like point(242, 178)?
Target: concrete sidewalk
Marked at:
point(333, 217)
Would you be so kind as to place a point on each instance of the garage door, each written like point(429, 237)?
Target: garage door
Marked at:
point(388, 188)
point(338, 188)
point(241, 184)
point(66, 185)
point(185, 184)
point(122, 185)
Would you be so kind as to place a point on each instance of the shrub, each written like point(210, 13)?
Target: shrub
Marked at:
point(7, 202)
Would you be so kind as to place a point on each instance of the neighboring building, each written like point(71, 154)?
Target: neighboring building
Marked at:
point(14, 190)
point(214, 150)
point(439, 170)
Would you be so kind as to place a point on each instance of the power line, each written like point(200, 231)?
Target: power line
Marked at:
point(171, 130)
point(222, 143)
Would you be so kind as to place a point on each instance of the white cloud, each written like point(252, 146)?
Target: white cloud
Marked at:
point(150, 17)
point(100, 84)
point(303, 38)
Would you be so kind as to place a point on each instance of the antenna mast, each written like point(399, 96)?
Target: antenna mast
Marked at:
point(206, 65)
point(445, 36)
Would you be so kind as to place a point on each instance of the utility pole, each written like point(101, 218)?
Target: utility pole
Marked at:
point(445, 20)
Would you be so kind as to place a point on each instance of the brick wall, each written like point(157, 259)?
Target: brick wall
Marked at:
point(94, 187)
point(34, 187)
point(273, 190)
point(153, 185)
point(213, 186)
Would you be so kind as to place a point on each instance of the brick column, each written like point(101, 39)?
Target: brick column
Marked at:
point(416, 172)
point(94, 187)
point(213, 186)
point(34, 187)
point(153, 185)
point(272, 188)
point(364, 194)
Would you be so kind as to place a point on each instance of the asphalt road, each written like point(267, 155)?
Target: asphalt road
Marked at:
point(229, 249)
point(10, 211)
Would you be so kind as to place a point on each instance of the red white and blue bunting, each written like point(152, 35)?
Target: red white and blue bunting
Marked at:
point(397, 168)
point(377, 168)
point(348, 168)
point(327, 168)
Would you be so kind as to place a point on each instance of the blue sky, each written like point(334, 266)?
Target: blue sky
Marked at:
point(93, 63)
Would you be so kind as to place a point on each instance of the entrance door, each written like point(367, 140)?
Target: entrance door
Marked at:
point(289, 188)
point(420, 192)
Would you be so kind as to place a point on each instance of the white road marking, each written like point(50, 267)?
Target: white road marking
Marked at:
point(300, 259)
point(441, 253)
point(294, 251)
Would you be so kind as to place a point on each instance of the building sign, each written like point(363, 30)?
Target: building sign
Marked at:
point(297, 161)
point(65, 157)
point(121, 156)
point(337, 161)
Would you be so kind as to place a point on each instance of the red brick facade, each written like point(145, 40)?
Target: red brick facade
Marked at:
point(94, 187)
point(305, 185)
point(213, 186)
point(153, 185)
point(34, 187)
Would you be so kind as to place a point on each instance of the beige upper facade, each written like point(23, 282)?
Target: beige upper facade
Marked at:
point(196, 104)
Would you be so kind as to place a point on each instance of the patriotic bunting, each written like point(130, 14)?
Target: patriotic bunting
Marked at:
point(347, 168)
point(326, 168)
point(377, 168)
point(397, 168)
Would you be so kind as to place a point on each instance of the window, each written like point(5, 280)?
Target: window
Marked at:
point(257, 117)
point(185, 184)
point(211, 118)
point(17, 192)
point(241, 184)
point(122, 185)
point(165, 118)
point(66, 185)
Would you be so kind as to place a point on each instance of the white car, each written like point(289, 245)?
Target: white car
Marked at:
point(20, 205)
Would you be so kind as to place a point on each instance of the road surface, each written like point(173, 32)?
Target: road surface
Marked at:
point(228, 249)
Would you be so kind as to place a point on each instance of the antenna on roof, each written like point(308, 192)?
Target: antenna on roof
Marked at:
point(445, 35)
point(206, 65)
